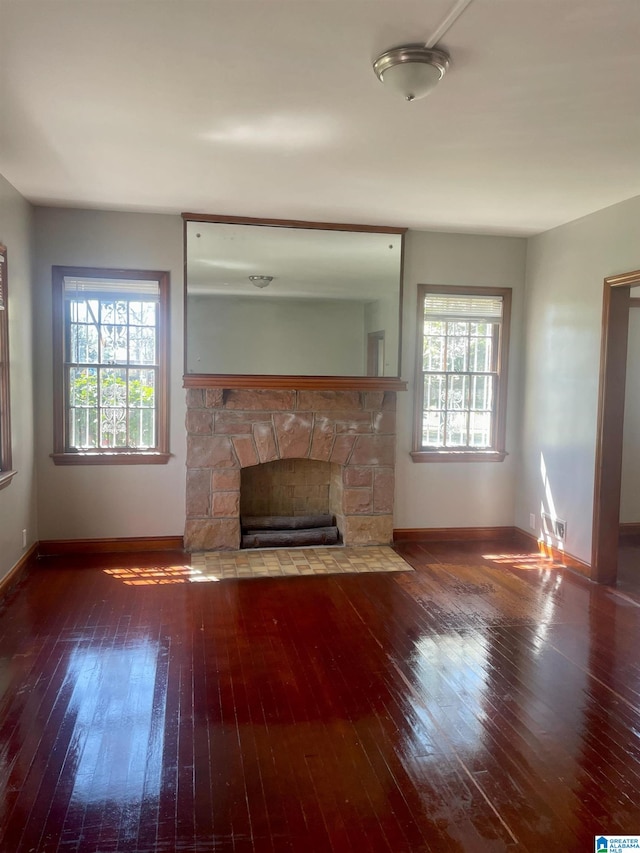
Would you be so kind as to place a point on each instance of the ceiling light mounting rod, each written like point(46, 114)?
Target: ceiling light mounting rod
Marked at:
point(449, 20)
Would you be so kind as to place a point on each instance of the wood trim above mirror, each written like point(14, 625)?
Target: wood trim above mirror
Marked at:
point(291, 223)
point(259, 381)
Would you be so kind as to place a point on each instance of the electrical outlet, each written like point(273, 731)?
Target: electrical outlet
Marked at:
point(561, 529)
point(532, 520)
point(24, 538)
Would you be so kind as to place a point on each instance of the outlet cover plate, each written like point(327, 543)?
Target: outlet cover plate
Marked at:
point(555, 527)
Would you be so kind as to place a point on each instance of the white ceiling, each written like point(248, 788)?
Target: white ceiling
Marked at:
point(270, 108)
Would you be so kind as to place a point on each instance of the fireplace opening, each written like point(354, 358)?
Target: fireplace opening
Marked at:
point(290, 503)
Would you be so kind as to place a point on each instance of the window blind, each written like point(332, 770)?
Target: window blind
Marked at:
point(102, 288)
point(476, 309)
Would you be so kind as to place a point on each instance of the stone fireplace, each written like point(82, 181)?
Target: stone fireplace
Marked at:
point(232, 429)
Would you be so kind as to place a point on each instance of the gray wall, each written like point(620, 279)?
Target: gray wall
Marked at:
point(230, 334)
point(458, 494)
point(95, 501)
point(552, 393)
point(566, 268)
point(18, 500)
point(103, 501)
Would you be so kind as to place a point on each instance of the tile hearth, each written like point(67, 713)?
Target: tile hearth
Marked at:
point(286, 562)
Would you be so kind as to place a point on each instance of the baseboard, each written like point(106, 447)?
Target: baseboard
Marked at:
point(630, 529)
point(132, 544)
point(558, 556)
point(13, 575)
point(451, 534)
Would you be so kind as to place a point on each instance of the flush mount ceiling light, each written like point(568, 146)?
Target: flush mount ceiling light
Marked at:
point(411, 69)
point(414, 69)
point(261, 280)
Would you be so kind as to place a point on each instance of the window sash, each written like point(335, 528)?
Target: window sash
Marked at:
point(449, 413)
point(118, 415)
point(119, 410)
point(448, 418)
point(104, 414)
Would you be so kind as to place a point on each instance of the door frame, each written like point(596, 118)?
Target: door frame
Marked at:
point(375, 353)
point(608, 469)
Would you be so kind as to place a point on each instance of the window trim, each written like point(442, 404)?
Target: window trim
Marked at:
point(6, 471)
point(109, 456)
point(498, 452)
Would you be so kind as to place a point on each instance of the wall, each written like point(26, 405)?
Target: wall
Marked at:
point(273, 335)
point(109, 501)
point(565, 272)
point(93, 501)
point(18, 499)
point(458, 494)
point(630, 491)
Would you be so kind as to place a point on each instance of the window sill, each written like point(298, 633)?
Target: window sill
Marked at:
point(106, 458)
point(6, 477)
point(458, 455)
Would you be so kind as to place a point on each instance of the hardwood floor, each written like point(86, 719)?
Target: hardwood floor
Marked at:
point(629, 565)
point(484, 702)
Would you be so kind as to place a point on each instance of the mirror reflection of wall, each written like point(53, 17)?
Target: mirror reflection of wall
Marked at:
point(235, 334)
point(315, 298)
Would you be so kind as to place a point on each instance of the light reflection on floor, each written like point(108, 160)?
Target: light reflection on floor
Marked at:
point(524, 561)
point(118, 734)
point(550, 584)
point(451, 669)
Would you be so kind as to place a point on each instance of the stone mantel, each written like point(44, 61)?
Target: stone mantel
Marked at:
point(234, 427)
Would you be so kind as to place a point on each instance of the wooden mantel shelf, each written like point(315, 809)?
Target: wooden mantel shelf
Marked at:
point(333, 383)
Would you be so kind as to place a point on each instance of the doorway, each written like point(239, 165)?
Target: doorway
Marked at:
point(611, 404)
point(375, 353)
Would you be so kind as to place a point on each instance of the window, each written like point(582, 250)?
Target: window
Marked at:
point(461, 373)
point(110, 335)
point(6, 474)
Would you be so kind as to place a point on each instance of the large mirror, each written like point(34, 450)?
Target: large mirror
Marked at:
point(291, 299)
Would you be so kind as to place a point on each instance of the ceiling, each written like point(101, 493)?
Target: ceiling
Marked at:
point(270, 108)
